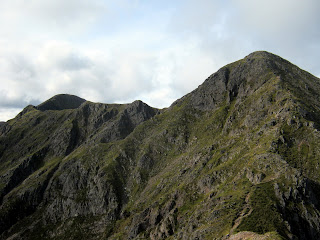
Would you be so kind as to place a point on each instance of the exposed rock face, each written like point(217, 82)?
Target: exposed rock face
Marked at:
point(237, 158)
point(50, 137)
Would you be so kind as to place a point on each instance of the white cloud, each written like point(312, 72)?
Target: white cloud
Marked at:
point(278, 17)
point(230, 30)
point(57, 67)
point(154, 51)
point(50, 17)
point(8, 113)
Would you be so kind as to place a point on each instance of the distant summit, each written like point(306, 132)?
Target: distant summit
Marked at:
point(60, 102)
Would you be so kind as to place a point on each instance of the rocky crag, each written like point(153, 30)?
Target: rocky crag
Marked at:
point(237, 158)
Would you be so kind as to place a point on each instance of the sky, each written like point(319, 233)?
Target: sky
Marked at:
point(155, 51)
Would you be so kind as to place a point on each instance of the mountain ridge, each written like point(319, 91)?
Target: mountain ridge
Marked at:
point(236, 157)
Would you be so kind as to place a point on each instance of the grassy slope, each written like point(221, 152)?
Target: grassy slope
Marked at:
point(206, 145)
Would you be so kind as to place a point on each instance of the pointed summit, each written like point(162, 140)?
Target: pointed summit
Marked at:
point(262, 54)
point(240, 79)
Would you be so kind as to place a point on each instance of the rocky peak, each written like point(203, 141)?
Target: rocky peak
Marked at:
point(242, 78)
point(61, 102)
point(139, 111)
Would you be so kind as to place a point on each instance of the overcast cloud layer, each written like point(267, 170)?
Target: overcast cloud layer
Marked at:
point(155, 51)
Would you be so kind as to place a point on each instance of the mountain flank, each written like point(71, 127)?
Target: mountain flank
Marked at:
point(237, 158)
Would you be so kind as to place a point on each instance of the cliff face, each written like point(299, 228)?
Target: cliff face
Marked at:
point(36, 172)
point(236, 158)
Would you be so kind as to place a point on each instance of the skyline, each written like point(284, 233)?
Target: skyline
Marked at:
point(155, 52)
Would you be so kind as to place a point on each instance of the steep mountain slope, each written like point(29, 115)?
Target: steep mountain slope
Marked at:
point(236, 158)
point(34, 146)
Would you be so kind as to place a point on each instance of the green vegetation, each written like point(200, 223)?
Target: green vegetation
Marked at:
point(264, 216)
